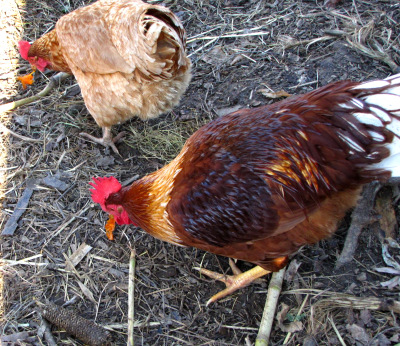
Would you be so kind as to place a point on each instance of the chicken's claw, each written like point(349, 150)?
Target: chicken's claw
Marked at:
point(233, 282)
point(107, 140)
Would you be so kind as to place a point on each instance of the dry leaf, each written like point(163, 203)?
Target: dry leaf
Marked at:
point(388, 258)
point(281, 314)
point(366, 317)
point(223, 111)
point(392, 283)
point(387, 270)
point(88, 293)
point(215, 56)
point(358, 333)
point(274, 95)
point(291, 327)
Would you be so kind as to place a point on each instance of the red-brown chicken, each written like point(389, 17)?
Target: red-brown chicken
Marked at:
point(258, 184)
point(128, 57)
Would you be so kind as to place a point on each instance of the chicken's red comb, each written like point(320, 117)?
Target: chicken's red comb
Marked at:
point(24, 49)
point(103, 187)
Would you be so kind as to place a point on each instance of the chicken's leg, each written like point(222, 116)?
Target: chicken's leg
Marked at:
point(107, 140)
point(233, 282)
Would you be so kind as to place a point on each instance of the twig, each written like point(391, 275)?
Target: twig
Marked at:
point(14, 134)
point(261, 33)
point(137, 324)
point(131, 297)
point(11, 263)
point(335, 300)
point(307, 43)
point(85, 330)
point(274, 290)
point(360, 218)
point(62, 227)
point(54, 81)
point(337, 332)
point(289, 334)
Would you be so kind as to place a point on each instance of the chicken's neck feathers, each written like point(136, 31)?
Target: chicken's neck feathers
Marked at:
point(48, 47)
point(146, 202)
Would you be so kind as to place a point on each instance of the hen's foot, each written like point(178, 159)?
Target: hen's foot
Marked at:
point(107, 140)
point(233, 282)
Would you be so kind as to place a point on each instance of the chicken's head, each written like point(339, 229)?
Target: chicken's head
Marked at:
point(35, 61)
point(103, 188)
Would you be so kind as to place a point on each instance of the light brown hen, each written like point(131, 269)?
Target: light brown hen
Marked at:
point(128, 57)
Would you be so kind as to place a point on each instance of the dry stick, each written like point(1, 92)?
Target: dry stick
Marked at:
point(131, 297)
point(308, 42)
point(14, 134)
point(360, 218)
point(54, 81)
point(333, 300)
point(62, 227)
point(274, 290)
point(261, 33)
point(85, 330)
point(337, 332)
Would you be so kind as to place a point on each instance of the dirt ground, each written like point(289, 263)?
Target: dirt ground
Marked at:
point(240, 50)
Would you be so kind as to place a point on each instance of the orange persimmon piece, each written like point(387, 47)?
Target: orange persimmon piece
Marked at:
point(26, 80)
point(110, 226)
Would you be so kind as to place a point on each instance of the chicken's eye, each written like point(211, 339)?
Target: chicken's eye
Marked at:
point(120, 209)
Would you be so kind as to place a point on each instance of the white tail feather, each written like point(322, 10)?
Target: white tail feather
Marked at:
point(391, 163)
point(384, 109)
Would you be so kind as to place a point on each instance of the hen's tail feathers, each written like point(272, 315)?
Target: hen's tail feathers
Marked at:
point(381, 108)
point(156, 41)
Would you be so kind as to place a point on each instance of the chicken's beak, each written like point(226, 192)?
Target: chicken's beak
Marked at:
point(110, 226)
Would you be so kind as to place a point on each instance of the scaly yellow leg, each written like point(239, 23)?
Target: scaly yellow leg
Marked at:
point(233, 282)
point(107, 140)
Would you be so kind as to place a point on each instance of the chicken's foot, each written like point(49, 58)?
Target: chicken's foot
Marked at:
point(233, 282)
point(107, 140)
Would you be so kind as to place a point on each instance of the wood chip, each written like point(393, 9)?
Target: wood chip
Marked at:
point(78, 255)
point(20, 208)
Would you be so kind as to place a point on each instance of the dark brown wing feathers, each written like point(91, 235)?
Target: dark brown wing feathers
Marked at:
point(248, 178)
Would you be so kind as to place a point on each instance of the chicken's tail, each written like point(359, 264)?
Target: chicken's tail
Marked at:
point(379, 109)
point(154, 40)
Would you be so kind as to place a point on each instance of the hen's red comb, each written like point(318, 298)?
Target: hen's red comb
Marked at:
point(24, 49)
point(104, 187)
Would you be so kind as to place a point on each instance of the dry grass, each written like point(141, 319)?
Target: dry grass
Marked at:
point(237, 47)
point(161, 140)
